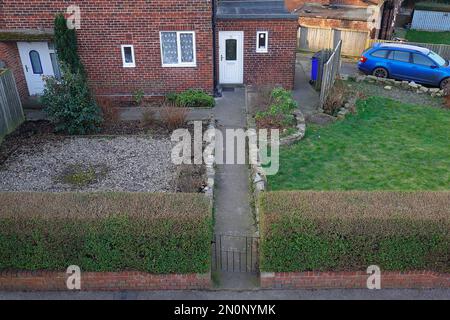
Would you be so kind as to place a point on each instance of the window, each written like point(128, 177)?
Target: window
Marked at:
point(402, 56)
point(422, 60)
point(438, 59)
point(178, 49)
point(55, 65)
point(262, 41)
point(379, 54)
point(231, 49)
point(36, 62)
point(128, 56)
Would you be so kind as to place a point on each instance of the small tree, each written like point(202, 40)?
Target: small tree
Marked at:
point(66, 44)
point(69, 104)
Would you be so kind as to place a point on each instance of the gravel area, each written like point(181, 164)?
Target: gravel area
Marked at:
point(124, 164)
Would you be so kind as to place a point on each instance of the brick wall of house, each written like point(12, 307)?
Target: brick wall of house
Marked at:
point(346, 280)
point(10, 55)
point(106, 25)
point(102, 281)
point(278, 65)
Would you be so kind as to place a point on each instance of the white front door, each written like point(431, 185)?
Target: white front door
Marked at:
point(231, 57)
point(36, 60)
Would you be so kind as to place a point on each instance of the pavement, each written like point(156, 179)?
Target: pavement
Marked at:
point(331, 294)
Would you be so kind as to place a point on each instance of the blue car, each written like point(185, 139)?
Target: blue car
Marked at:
point(405, 62)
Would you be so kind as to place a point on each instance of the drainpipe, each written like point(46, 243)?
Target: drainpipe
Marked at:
point(217, 93)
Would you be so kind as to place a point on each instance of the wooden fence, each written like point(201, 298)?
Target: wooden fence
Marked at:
point(441, 49)
point(11, 112)
point(314, 39)
point(330, 73)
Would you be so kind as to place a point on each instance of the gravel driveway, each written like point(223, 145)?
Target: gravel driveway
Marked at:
point(127, 164)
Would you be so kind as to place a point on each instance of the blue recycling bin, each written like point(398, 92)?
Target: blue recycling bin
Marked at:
point(315, 60)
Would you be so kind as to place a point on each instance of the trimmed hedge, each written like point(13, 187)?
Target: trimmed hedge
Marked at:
point(349, 231)
point(156, 233)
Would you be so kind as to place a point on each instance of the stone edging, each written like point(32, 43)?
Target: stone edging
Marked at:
point(102, 281)
point(210, 162)
point(301, 129)
point(389, 83)
point(347, 280)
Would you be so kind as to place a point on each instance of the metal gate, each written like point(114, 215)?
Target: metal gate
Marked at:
point(235, 253)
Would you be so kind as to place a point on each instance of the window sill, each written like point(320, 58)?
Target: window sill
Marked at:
point(179, 65)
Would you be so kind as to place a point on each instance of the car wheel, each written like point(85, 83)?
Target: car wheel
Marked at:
point(445, 83)
point(380, 72)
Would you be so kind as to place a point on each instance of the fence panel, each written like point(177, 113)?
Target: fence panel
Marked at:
point(330, 72)
point(11, 112)
point(315, 39)
point(441, 49)
point(353, 42)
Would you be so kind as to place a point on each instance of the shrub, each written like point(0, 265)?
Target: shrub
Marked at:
point(148, 118)
point(138, 97)
point(349, 231)
point(156, 233)
point(191, 178)
point(69, 104)
point(335, 99)
point(447, 95)
point(173, 117)
point(109, 110)
point(279, 114)
point(192, 99)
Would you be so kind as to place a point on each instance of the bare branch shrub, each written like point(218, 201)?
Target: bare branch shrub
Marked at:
point(335, 99)
point(173, 117)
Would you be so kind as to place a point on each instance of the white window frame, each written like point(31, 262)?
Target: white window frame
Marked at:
point(124, 63)
point(266, 49)
point(179, 64)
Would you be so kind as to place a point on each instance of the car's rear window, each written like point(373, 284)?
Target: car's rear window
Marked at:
point(437, 58)
point(379, 53)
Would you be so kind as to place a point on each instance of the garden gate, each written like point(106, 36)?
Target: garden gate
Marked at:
point(235, 253)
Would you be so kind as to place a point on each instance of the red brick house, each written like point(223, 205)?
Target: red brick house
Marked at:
point(157, 46)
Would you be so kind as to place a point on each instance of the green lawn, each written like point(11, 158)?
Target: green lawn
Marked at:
point(428, 37)
point(387, 145)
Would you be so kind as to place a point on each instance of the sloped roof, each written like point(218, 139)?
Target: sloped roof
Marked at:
point(253, 9)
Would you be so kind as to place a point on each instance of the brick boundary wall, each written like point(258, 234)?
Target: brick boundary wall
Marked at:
point(102, 281)
point(347, 280)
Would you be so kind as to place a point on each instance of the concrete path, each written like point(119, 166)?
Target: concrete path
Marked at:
point(233, 213)
point(306, 96)
point(334, 294)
